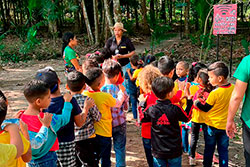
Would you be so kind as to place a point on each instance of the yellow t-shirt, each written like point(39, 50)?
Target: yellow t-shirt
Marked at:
point(219, 98)
point(5, 139)
point(198, 116)
point(135, 75)
point(183, 101)
point(8, 154)
point(103, 102)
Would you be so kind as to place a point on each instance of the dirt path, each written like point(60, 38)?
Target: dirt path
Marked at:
point(13, 79)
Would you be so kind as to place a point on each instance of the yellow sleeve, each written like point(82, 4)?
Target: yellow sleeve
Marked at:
point(176, 88)
point(135, 74)
point(110, 100)
point(193, 89)
point(8, 153)
point(211, 98)
point(26, 145)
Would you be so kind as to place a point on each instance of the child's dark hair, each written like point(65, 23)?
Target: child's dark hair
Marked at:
point(149, 59)
point(202, 74)
point(88, 64)
point(135, 60)
point(106, 53)
point(166, 65)
point(111, 68)
point(3, 110)
point(2, 96)
point(92, 75)
point(66, 39)
point(97, 57)
point(219, 68)
point(35, 89)
point(194, 70)
point(161, 86)
point(76, 81)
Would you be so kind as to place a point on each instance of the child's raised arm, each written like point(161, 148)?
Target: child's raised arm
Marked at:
point(15, 138)
point(60, 120)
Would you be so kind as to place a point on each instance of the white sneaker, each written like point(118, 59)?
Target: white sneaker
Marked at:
point(192, 161)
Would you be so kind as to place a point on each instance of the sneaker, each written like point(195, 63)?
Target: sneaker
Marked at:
point(192, 161)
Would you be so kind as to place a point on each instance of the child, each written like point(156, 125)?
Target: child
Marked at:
point(66, 153)
point(137, 65)
point(167, 67)
point(85, 135)
point(112, 70)
point(146, 77)
point(216, 107)
point(42, 127)
point(182, 69)
point(11, 135)
point(165, 117)
point(201, 92)
point(70, 57)
point(88, 64)
point(103, 101)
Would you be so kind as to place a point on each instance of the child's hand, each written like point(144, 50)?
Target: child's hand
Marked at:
point(181, 85)
point(128, 70)
point(23, 127)
point(89, 103)
point(142, 98)
point(188, 97)
point(46, 120)
point(67, 97)
point(122, 88)
point(18, 114)
point(195, 102)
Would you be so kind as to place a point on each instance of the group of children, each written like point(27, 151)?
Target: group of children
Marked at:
point(77, 129)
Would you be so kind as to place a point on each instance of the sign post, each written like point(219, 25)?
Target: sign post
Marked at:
point(225, 22)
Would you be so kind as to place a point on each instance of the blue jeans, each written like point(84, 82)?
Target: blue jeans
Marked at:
point(119, 140)
point(104, 152)
point(48, 160)
point(133, 100)
point(185, 143)
point(175, 162)
point(125, 83)
point(212, 137)
point(147, 149)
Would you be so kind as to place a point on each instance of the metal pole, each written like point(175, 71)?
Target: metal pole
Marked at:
point(231, 55)
point(217, 47)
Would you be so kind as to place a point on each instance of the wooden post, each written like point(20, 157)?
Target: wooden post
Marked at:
point(217, 47)
point(231, 55)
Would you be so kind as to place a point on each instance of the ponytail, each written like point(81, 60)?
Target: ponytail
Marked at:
point(66, 39)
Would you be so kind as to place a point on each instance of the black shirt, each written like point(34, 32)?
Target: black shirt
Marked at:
point(124, 47)
point(165, 130)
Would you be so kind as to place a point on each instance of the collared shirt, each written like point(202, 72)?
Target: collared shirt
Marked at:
point(118, 115)
point(125, 46)
point(87, 130)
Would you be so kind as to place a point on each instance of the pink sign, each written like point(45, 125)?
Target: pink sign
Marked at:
point(225, 19)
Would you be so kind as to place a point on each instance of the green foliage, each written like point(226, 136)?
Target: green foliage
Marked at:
point(160, 54)
point(128, 25)
point(246, 45)
point(194, 39)
point(160, 33)
point(32, 41)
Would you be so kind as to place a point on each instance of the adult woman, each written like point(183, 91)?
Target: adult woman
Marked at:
point(120, 47)
point(69, 55)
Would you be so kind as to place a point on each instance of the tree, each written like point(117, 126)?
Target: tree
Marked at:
point(146, 30)
point(96, 18)
point(117, 11)
point(186, 15)
point(86, 19)
point(152, 12)
point(108, 16)
point(163, 11)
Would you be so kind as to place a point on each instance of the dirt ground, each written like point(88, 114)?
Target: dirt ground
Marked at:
point(13, 78)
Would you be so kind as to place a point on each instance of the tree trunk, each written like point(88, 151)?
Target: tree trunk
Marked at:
point(76, 17)
point(136, 17)
point(242, 11)
point(173, 6)
point(90, 35)
point(117, 11)
point(3, 15)
point(128, 13)
point(146, 30)
point(186, 16)
point(108, 16)
point(170, 10)
point(97, 38)
point(163, 11)
point(152, 11)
